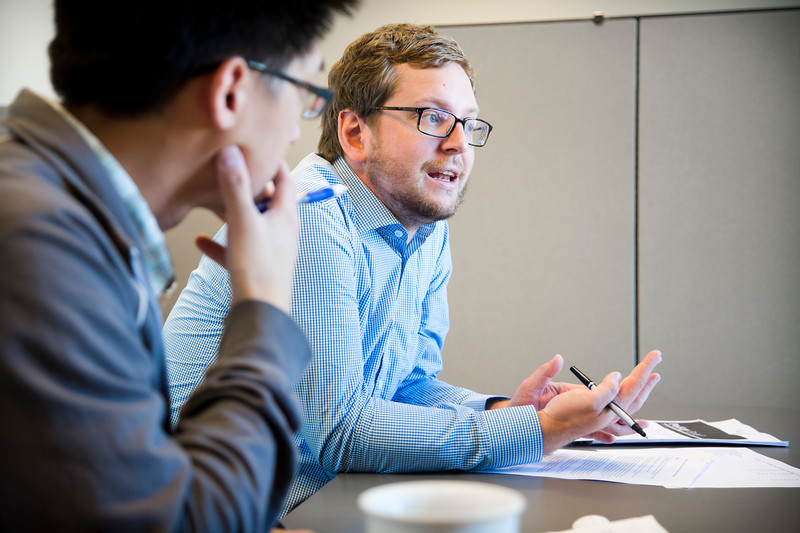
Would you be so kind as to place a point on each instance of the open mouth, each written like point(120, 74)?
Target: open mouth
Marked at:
point(444, 175)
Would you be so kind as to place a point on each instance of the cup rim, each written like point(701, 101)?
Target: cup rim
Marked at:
point(487, 501)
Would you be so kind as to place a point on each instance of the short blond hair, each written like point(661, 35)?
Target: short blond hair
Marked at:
point(365, 76)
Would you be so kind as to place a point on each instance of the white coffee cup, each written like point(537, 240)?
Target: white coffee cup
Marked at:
point(441, 506)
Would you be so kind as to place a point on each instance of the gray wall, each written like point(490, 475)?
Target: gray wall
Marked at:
point(640, 191)
point(719, 205)
point(543, 247)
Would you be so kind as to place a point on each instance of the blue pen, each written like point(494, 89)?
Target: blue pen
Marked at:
point(309, 197)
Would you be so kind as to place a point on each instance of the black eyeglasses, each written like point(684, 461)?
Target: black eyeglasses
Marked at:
point(440, 123)
point(318, 98)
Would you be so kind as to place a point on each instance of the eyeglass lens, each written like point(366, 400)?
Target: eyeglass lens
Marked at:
point(313, 105)
point(440, 123)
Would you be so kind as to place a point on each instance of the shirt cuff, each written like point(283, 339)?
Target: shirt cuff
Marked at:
point(515, 436)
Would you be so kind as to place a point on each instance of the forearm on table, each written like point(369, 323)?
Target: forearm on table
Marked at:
point(388, 437)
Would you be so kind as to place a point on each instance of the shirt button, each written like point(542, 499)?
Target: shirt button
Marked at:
point(398, 233)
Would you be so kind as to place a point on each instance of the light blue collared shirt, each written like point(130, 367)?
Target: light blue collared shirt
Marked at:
point(374, 307)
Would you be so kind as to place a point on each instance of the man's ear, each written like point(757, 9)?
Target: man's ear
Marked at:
point(227, 93)
point(353, 133)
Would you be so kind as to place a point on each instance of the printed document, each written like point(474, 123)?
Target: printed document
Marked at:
point(744, 468)
point(698, 432)
point(717, 467)
point(676, 468)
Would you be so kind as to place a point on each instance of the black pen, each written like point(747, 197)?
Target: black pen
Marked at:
point(613, 406)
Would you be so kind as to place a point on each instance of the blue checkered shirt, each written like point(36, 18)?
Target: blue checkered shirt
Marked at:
point(374, 307)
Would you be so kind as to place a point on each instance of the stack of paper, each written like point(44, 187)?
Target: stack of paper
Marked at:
point(699, 432)
point(692, 467)
point(667, 468)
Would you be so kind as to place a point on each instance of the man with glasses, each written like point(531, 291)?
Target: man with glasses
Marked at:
point(165, 106)
point(370, 287)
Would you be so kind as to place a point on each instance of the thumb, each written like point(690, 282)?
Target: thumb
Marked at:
point(534, 385)
point(607, 390)
point(550, 369)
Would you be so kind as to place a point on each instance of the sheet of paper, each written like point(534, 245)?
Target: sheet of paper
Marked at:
point(698, 432)
point(744, 468)
point(667, 468)
point(717, 467)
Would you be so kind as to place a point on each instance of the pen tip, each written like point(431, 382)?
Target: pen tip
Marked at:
point(638, 429)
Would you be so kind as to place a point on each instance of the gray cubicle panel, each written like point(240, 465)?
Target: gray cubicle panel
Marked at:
point(543, 246)
point(640, 191)
point(719, 205)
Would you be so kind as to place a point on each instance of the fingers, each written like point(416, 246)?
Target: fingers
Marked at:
point(641, 373)
point(649, 385)
point(634, 391)
point(233, 178)
point(282, 190)
point(212, 249)
point(651, 361)
point(601, 436)
point(620, 428)
point(261, 248)
point(636, 388)
point(581, 412)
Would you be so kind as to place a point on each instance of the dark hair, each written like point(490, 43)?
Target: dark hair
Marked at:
point(365, 76)
point(131, 56)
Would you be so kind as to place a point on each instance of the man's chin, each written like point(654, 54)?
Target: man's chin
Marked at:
point(436, 213)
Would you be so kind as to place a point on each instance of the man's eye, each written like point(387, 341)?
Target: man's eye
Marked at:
point(432, 118)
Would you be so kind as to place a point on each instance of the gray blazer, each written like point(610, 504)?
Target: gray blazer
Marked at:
point(85, 443)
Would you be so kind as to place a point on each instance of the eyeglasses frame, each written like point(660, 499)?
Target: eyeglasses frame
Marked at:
point(321, 92)
point(420, 110)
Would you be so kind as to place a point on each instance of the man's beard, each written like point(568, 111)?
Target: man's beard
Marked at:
point(424, 210)
point(413, 207)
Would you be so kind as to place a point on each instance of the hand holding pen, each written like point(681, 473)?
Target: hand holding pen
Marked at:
point(568, 412)
point(619, 411)
point(318, 195)
point(261, 249)
point(634, 389)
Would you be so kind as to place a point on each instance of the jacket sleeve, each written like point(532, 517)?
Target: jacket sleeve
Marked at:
point(237, 428)
point(85, 444)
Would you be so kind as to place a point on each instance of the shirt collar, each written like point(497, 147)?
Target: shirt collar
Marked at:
point(155, 255)
point(370, 213)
